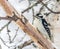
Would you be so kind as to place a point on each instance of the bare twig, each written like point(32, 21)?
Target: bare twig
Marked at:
point(42, 4)
point(30, 7)
point(25, 44)
point(6, 18)
point(22, 38)
point(5, 25)
point(33, 15)
point(41, 9)
point(32, 11)
point(49, 8)
point(15, 34)
point(8, 34)
point(4, 42)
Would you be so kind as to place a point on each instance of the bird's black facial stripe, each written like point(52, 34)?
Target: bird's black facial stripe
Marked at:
point(40, 15)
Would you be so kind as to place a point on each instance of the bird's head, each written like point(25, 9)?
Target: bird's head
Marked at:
point(38, 15)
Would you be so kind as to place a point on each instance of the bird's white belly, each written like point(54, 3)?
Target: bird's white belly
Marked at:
point(38, 24)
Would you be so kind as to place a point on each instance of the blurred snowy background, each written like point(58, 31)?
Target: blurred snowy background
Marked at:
point(11, 37)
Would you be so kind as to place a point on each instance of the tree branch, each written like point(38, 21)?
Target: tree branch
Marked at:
point(15, 34)
point(25, 44)
point(30, 7)
point(32, 11)
point(6, 18)
point(42, 4)
point(49, 8)
point(5, 25)
point(9, 34)
point(4, 42)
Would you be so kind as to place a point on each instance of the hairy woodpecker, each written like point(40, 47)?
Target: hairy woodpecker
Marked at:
point(45, 24)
